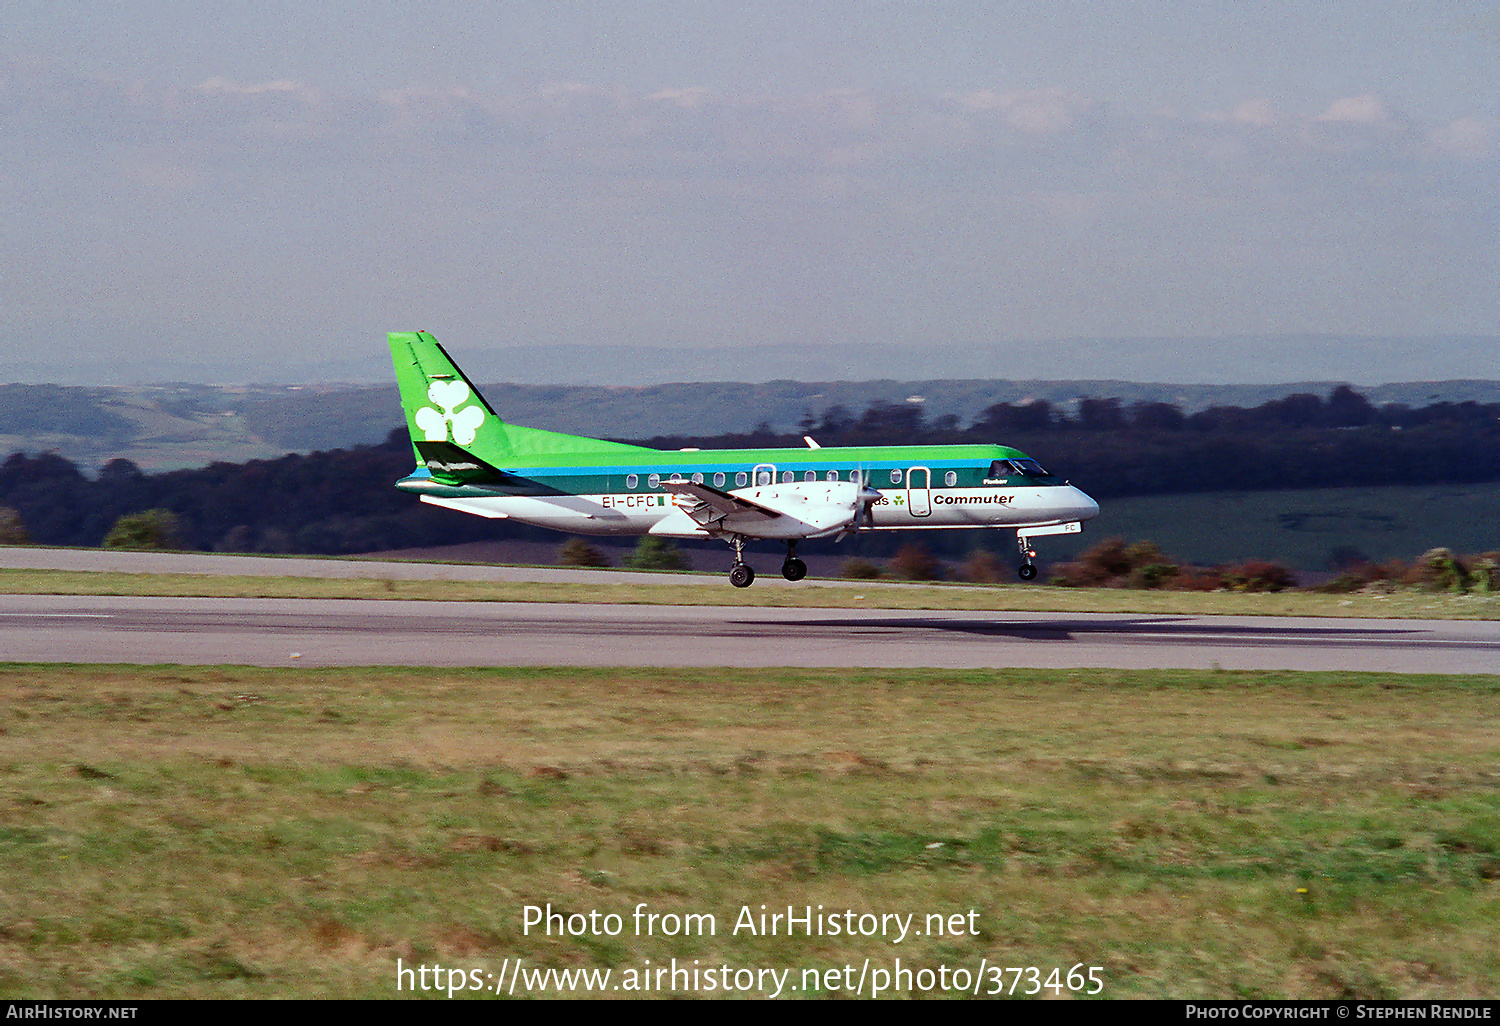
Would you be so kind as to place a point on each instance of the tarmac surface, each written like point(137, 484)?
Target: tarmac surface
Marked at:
point(348, 632)
point(344, 632)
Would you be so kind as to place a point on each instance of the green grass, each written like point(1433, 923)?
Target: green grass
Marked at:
point(811, 594)
point(173, 832)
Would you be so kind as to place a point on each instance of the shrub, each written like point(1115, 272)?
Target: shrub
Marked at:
point(1195, 578)
point(860, 570)
point(1258, 575)
point(1113, 564)
point(1484, 572)
point(913, 562)
point(12, 528)
point(653, 553)
point(577, 552)
point(152, 529)
point(1362, 576)
point(1153, 576)
point(984, 567)
point(1107, 559)
point(1438, 570)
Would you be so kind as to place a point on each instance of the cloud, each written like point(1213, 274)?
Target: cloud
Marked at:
point(861, 211)
point(1467, 137)
point(224, 85)
point(1034, 111)
point(1256, 112)
point(1368, 109)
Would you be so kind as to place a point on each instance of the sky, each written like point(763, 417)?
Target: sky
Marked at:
point(249, 191)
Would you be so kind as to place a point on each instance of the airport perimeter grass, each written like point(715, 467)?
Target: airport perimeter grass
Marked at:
point(237, 832)
point(832, 594)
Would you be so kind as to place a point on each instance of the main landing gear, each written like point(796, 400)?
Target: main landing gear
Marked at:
point(742, 576)
point(1027, 569)
point(793, 569)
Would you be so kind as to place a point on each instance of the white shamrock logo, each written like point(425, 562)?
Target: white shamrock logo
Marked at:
point(448, 396)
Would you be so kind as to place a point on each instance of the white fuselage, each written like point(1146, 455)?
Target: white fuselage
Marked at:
point(809, 509)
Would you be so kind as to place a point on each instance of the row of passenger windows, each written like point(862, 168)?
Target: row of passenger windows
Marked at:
point(764, 477)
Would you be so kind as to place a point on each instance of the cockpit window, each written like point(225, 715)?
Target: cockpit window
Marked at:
point(1012, 468)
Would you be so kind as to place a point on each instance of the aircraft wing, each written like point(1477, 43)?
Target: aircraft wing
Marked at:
point(712, 506)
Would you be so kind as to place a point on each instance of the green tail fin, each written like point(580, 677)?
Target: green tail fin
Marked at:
point(449, 419)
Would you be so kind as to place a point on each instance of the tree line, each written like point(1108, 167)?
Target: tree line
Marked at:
point(341, 501)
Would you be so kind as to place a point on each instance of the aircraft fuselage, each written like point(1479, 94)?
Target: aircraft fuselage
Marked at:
point(918, 487)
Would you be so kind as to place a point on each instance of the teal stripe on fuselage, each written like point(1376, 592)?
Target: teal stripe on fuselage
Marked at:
point(610, 475)
point(868, 458)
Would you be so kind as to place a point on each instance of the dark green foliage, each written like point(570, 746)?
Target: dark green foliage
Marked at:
point(653, 553)
point(1440, 570)
point(342, 502)
point(860, 570)
point(151, 529)
point(577, 552)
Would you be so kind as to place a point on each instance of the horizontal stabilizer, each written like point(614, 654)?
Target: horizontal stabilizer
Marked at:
point(478, 507)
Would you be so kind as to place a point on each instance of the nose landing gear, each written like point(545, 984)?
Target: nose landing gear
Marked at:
point(1027, 569)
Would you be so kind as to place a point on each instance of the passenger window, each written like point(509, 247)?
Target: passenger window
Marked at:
point(810, 475)
point(719, 480)
point(697, 479)
point(950, 479)
point(740, 479)
point(676, 479)
point(895, 477)
point(631, 480)
point(832, 475)
point(654, 480)
point(763, 477)
point(854, 476)
point(787, 476)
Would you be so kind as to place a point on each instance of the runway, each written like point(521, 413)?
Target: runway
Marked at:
point(339, 632)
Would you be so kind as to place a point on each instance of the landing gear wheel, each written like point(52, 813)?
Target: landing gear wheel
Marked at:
point(794, 569)
point(1027, 571)
point(741, 576)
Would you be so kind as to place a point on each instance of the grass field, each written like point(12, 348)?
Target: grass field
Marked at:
point(230, 832)
point(1408, 604)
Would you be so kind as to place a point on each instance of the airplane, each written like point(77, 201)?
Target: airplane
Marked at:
point(469, 460)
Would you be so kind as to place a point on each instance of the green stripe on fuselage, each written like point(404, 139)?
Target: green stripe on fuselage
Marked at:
point(597, 473)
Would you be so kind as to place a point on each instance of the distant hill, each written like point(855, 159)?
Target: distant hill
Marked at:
point(171, 426)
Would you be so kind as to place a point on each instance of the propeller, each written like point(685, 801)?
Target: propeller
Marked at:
point(864, 503)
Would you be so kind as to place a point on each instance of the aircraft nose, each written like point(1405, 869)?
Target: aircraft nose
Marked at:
point(1085, 507)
